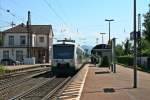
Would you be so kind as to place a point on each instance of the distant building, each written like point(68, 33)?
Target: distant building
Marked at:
point(21, 42)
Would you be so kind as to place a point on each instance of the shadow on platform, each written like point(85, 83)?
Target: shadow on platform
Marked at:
point(109, 90)
point(102, 72)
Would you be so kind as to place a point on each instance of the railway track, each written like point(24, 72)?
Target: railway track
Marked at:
point(16, 89)
point(21, 72)
point(43, 90)
point(40, 87)
point(72, 88)
point(16, 79)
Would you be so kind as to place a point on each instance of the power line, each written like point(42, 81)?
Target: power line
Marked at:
point(61, 8)
point(12, 14)
point(53, 10)
point(68, 29)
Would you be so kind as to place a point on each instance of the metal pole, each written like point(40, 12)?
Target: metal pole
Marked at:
point(109, 31)
point(109, 20)
point(114, 45)
point(135, 49)
point(113, 55)
point(139, 38)
point(102, 39)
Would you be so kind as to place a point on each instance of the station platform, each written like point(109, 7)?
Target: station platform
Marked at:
point(101, 84)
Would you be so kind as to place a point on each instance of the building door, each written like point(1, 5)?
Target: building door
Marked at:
point(19, 55)
point(41, 56)
point(5, 54)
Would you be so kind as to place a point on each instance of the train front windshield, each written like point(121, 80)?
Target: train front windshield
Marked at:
point(63, 51)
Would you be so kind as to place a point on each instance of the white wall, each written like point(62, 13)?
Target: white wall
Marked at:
point(39, 44)
point(35, 43)
point(16, 38)
point(12, 52)
point(33, 40)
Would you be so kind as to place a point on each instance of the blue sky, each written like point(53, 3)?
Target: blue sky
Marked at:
point(81, 20)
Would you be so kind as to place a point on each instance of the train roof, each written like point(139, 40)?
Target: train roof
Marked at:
point(76, 45)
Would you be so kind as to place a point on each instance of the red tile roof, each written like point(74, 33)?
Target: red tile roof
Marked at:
point(37, 29)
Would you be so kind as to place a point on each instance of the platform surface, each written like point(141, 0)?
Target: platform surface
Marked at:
point(101, 84)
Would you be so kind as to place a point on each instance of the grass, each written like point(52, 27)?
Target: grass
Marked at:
point(2, 69)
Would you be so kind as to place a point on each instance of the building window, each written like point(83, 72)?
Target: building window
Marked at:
point(11, 40)
point(41, 39)
point(5, 54)
point(19, 55)
point(22, 40)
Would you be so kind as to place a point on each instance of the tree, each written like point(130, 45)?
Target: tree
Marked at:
point(127, 47)
point(146, 24)
point(119, 50)
point(145, 47)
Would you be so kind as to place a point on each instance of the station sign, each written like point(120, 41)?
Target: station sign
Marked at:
point(138, 35)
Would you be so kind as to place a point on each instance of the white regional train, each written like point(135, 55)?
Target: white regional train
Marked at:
point(67, 58)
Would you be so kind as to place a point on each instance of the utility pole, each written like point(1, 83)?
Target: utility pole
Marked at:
point(29, 35)
point(109, 20)
point(139, 37)
point(135, 48)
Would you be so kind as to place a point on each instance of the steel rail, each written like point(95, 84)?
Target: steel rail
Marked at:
point(30, 90)
point(20, 81)
point(50, 94)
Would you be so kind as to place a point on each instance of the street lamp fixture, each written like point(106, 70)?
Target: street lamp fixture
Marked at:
point(109, 20)
point(102, 37)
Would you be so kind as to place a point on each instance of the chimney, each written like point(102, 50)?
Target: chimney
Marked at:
point(29, 19)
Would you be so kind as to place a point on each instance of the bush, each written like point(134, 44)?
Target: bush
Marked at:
point(2, 69)
point(127, 60)
point(105, 62)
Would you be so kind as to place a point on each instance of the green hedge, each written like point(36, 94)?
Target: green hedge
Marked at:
point(127, 60)
point(105, 62)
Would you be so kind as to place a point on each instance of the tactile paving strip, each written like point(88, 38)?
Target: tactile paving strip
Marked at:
point(74, 89)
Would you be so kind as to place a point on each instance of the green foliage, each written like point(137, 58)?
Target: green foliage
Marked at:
point(127, 60)
point(105, 62)
point(2, 69)
point(119, 50)
point(145, 47)
point(146, 24)
point(146, 52)
point(127, 47)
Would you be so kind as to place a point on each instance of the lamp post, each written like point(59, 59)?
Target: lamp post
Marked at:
point(102, 37)
point(109, 20)
point(135, 48)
